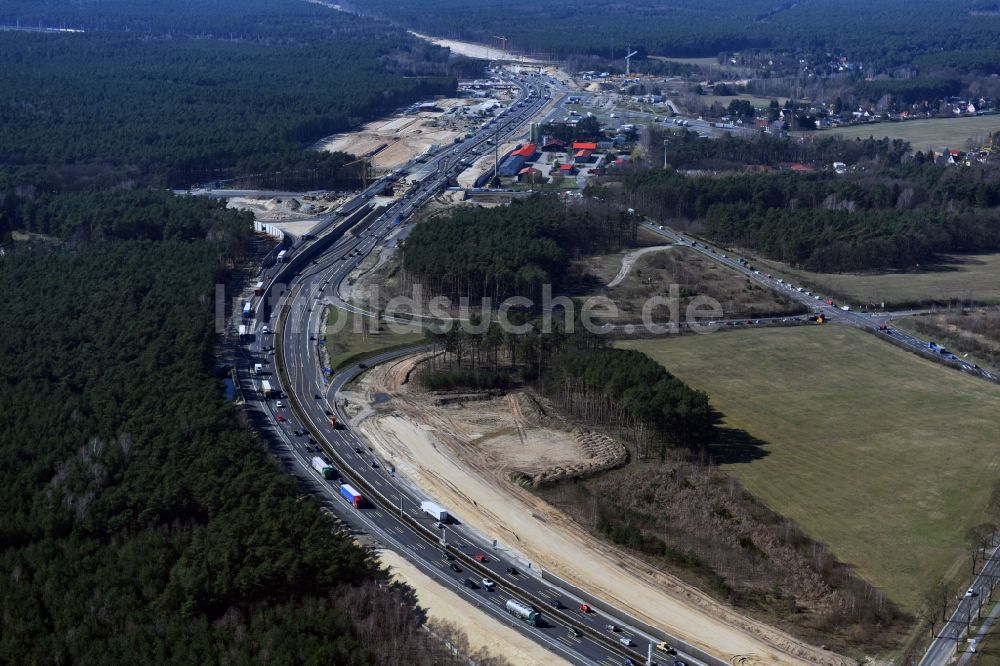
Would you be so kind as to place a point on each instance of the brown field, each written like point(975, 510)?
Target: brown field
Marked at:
point(971, 278)
point(924, 134)
point(653, 273)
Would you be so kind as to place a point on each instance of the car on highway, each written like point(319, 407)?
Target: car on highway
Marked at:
point(488, 583)
point(279, 418)
point(678, 662)
point(665, 647)
point(318, 396)
point(279, 404)
point(612, 627)
point(555, 603)
point(628, 662)
point(624, 640)
point(455, 568)
point(575, 632)
point(584, 608)
point(480, 558)
point(471, 584)
point(971, 592)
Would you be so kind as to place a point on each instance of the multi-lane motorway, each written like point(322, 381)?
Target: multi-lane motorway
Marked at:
point(289, 354)
point(300, 419)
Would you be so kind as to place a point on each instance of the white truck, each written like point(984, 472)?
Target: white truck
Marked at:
point(434, 511)
point(258, 369)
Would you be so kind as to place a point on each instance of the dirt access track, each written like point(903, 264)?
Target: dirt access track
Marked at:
point(465, 452)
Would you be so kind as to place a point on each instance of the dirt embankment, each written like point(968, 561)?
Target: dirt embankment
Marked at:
point(483, 635)
point(465, 454)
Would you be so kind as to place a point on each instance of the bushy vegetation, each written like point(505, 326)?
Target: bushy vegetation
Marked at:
point(882, 33)
point(509, 250)
point(704, 526)
point(164, 96)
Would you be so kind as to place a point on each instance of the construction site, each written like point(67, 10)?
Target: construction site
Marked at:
point(488, 452)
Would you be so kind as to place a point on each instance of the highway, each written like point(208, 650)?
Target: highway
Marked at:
point(288, 354)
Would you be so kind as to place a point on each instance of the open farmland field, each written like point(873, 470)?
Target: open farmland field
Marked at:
point(929, 133)
point(884, 456)
point(971, 278)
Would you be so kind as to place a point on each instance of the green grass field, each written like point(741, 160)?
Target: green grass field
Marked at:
point(884, 456)
point(974, 277)
point(354, 341)
point(924, 134)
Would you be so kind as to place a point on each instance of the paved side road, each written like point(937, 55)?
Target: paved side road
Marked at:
point(953, 632)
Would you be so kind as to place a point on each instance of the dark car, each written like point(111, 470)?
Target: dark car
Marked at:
point(357, 449)
point(555, 603)
point(576, 632)
point(471, 584)
point(455, 568)
point(363, 366)
point(512, 571)
point(318, 396)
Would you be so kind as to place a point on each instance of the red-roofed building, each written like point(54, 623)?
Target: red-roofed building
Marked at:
point(554, 146)
point(530, 175)
point(584, 145)
point(798, 167)
point(567, 169)
point(527, 152)
point(582, 155)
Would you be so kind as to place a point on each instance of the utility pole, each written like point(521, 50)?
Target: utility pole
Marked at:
point(665, 153)
point(496, 153)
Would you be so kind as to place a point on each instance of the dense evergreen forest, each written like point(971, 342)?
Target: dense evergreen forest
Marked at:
point(171, 97)
point(142, 521)
point(509, 250)
point(894, 217)
point(880, 33)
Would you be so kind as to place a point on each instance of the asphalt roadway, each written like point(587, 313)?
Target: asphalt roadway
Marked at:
point(832, 312)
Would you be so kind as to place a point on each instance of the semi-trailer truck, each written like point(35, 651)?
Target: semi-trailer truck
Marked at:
point(322, 467)
point(524, 613)
point(434, 511)
point(247, 310)
point(265, 388)
point(351, 495)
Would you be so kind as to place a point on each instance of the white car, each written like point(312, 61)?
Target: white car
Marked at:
point(279, 404)
point(488, 583)
point(627, 642)
point(971, 592)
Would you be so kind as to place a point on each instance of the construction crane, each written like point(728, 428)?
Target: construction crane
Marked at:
point(628, 61)
point(366, 170)
point(503, 43)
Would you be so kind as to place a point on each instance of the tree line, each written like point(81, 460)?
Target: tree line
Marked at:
point(619, 390)
point(894, 218)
